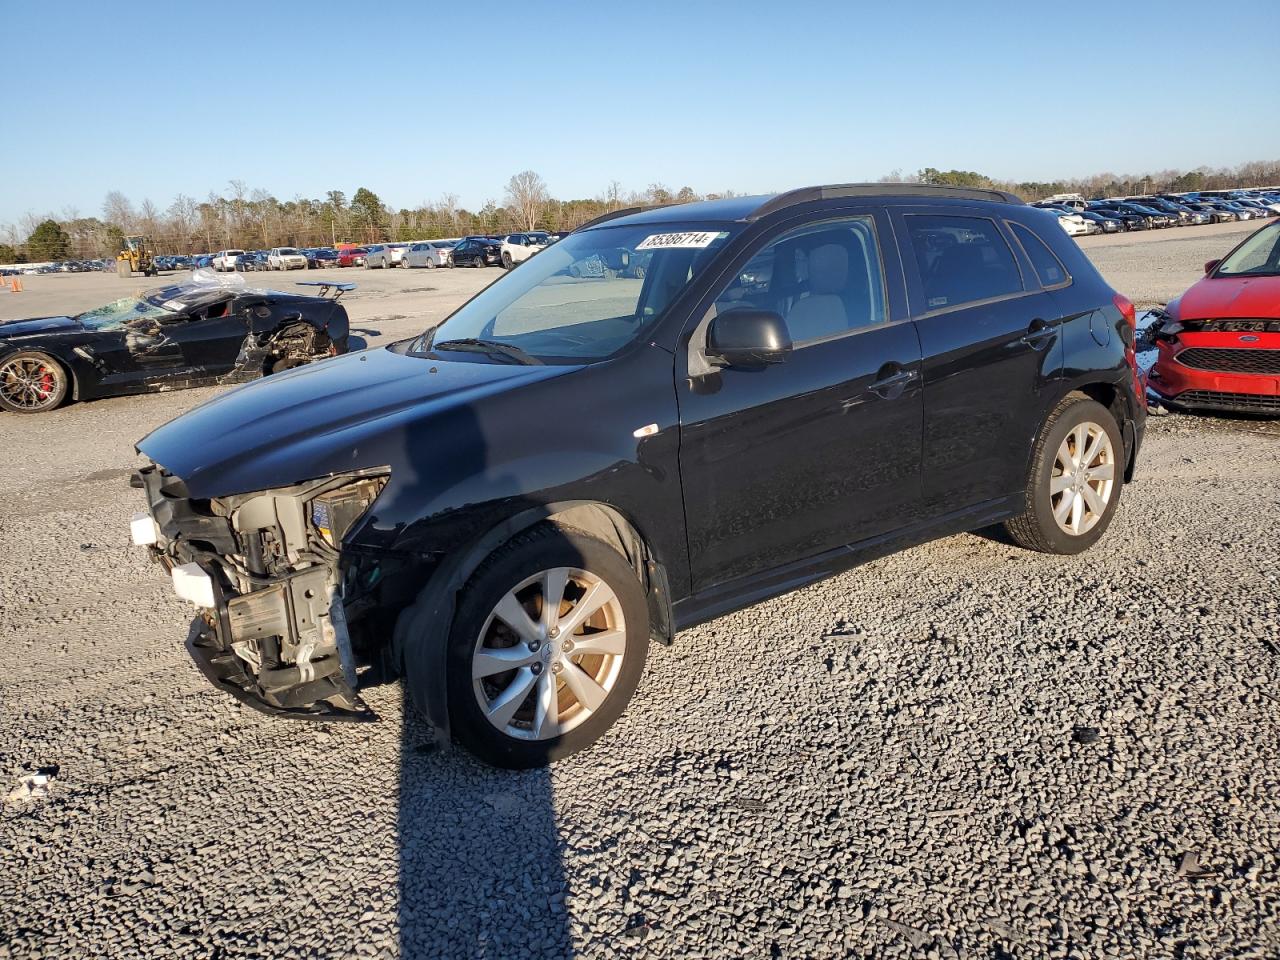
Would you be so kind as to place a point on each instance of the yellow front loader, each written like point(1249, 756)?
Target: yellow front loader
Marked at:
point(136, 257)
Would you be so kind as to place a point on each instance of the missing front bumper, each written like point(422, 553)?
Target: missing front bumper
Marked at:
point(326, 698)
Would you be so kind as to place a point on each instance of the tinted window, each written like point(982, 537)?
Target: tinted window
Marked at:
point(1048, 267)
point(824, 280)
point(962, 259)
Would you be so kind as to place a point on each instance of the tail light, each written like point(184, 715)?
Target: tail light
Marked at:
point(1130, 314)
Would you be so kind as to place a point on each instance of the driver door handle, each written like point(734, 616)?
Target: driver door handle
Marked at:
point(893, 379)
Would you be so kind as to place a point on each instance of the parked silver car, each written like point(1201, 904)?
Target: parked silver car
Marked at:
point(429, 254)
point(384, 255)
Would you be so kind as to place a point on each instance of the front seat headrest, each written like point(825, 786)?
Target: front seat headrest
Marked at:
point(828, 268)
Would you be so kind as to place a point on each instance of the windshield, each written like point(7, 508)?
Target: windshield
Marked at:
point(122, 312)
point(1259, 256)
point(287, 251)
point(586, 297)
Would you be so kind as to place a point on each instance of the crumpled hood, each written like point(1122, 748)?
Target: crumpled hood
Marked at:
point(15, 329)
point(348, 413)
point(1229, 297)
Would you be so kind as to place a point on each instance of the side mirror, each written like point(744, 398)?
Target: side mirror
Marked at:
point(748, 338)
point(1211, 265)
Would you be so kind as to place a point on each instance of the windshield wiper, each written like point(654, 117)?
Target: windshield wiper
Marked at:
point(493, 348)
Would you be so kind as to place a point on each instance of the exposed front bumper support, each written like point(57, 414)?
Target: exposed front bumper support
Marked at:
point(314, 701)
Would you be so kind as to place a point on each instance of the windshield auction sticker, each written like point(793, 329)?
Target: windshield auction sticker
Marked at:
point(687, 241)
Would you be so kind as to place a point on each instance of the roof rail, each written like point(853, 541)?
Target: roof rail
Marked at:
point(841, 190)
point(624, 212)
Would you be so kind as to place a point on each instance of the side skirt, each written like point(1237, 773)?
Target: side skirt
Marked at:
point(756, 588)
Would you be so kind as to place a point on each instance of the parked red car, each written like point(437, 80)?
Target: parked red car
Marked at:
point(351, 256)
point(1219, 349)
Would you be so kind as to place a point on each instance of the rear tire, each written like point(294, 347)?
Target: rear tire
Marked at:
point(1064, 469)
point(507, 263)
point(561, 683)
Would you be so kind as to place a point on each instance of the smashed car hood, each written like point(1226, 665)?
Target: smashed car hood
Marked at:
point(1230, 297)
point(13, 329)
point(348, 413)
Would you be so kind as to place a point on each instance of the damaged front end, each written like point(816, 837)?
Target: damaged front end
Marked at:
point(272, 585)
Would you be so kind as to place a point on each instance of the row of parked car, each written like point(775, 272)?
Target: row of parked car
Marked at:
point(1079, 216)
point(60, 266)
point(472, 251)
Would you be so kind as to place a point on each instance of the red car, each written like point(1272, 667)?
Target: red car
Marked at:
point(1219, 349)
point(351, 256)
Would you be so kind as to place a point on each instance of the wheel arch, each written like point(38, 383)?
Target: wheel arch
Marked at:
point(419, 642)
point(1109, 395)
point(1113, 398)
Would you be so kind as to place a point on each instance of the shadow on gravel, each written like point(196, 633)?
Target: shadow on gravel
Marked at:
point(481, 874)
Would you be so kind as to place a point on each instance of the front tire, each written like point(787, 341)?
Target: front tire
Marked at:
point(531, 682)
point(507, 263)
point(1075, 479)
point(32, 382)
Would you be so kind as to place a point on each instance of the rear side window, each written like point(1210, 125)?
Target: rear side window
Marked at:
point(962, 260)
point(1048, 267)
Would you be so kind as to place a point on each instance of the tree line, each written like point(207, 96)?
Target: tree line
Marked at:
point(242, 217)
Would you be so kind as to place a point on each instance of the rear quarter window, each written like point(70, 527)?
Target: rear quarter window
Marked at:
point(1046, 263)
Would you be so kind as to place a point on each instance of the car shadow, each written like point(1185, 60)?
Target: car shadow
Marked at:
point(481, 870)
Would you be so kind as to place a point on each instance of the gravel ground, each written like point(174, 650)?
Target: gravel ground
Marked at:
point(965, 750)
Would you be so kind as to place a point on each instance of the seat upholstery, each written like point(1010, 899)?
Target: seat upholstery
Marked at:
point(821, 311)
point(961, 274)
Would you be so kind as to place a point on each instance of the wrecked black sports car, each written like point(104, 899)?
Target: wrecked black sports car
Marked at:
point(205, 331)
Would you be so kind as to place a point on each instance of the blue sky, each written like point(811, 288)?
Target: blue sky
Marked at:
point(299, 99)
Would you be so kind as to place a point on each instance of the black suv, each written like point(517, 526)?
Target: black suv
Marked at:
point(506, 510)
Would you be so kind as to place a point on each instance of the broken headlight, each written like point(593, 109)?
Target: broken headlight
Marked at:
point(334, 512)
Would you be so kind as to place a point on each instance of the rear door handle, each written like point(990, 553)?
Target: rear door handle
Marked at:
point(1038, 334)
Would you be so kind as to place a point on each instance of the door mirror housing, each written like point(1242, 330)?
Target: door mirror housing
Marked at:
point(1211, 265)
point(748, 338)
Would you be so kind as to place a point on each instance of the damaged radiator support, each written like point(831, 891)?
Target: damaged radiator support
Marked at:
point(275, 634)
point(293, 633)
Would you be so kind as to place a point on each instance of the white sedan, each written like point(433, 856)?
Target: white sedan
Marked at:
point(1073, 223)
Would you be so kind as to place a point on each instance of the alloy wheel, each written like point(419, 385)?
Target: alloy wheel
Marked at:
point(28, 383)
point(549, 654)
point(1083, 478)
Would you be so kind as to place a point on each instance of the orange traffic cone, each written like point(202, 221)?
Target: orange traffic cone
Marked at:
point(17, 284)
